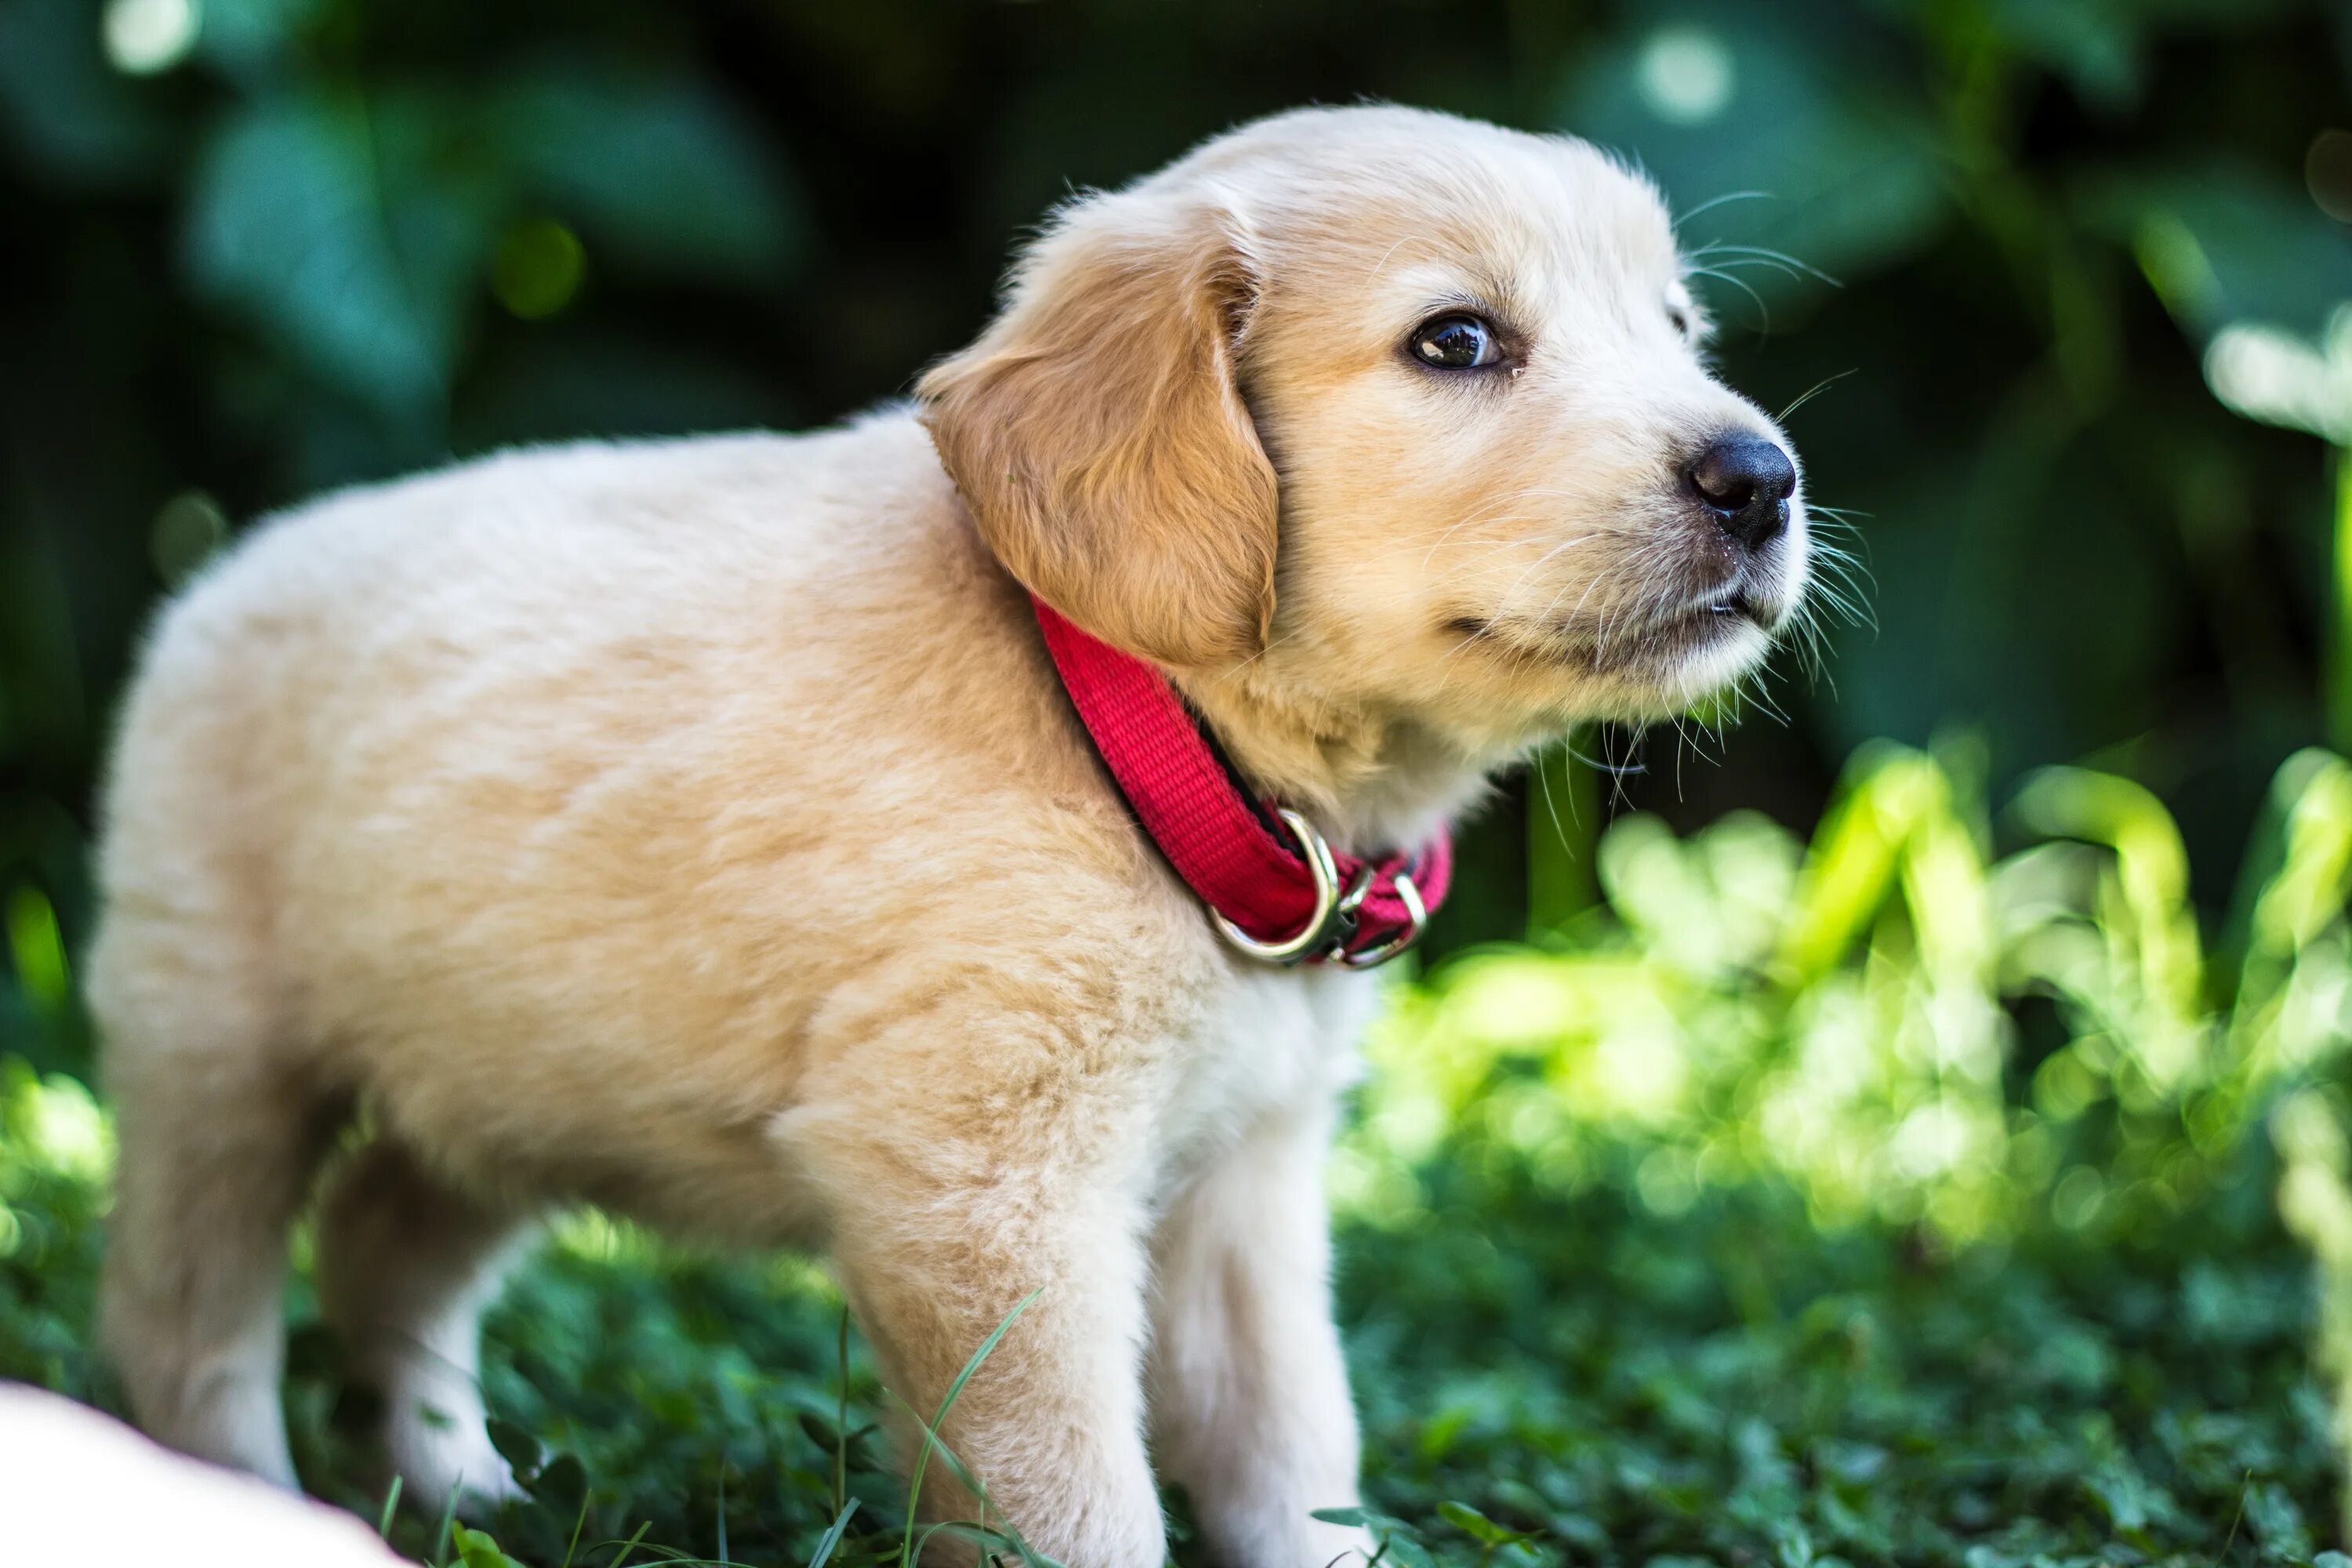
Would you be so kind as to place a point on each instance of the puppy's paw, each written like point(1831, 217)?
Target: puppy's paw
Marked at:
point(439, 1455)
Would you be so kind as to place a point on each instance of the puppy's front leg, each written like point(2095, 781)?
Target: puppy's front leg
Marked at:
point(1250, 1402)
point(937, 1243)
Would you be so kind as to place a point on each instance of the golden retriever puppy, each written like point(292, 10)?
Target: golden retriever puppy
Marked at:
point(698, 828)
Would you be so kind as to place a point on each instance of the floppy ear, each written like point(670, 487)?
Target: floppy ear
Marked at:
point(1099, 437)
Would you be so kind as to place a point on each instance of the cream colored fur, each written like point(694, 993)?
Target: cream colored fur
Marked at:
point(698, 829)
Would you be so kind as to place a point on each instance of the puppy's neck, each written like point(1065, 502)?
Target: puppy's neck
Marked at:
point(1370, 780)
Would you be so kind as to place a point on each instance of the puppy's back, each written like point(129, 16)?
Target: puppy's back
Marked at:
point(528, 600)
point(486, 784)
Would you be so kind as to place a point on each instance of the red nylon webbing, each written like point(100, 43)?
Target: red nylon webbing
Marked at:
point(1183, 796)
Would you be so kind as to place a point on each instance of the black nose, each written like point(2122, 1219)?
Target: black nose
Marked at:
point(1746, 481)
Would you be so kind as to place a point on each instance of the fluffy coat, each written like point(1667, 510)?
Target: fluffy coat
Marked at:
point(698, 829)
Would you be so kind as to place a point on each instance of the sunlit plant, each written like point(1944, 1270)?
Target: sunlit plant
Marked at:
point(1842, 1015)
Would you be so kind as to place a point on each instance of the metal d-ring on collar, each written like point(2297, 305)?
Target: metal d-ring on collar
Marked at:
point(1327, 929)
point(1416, 918)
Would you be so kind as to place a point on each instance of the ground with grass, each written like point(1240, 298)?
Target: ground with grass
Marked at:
point(1545, 1376)
point(1871, 1200)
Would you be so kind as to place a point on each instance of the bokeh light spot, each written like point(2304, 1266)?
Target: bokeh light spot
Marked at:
point(2327, 173)
point(1666, 1181)
point(188, 529)
point(2074, 1202)
point(1684, 75)
point(2265, 374)
point(36, 950)
point(145, 37)
point(537, 269)
point(2176, 265)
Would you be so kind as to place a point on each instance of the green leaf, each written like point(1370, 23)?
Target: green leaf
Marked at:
point(658, 173)
point(331, 222)
point(1398, 1542)
point(477, 1550)
point(1790, 128)
point(562, 1484)
point(2222, 241)
point(2097, 48)
point(253, 41)
point(65, 109)
point(1784, 130)
point(2101, 46)
point(519, 1448)
point(1476, 1525)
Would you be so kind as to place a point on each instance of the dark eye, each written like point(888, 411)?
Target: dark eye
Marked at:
point(1455, 343)
point(1681, 319)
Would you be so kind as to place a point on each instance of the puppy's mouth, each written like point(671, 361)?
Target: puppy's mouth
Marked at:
point(1657, 646)
point(1664, 644)
point(1737, 603)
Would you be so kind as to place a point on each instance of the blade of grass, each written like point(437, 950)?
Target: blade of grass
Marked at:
point(630, 1546)
point(972, 1484)
point(841, 1425)
point(577, 1526)
point(391, 1501)
point(930, 1429)
point(832, 1537)
point(2235, 1519)
point(441, 1541)
point(980, 1535)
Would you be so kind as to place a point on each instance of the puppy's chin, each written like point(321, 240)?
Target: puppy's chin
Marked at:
point(1659, 682)
point(1553, 677)
point(1713, 665)
point(1682, 658)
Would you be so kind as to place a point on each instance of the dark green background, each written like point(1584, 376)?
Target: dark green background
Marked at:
point(336, 241)
point(289, 261)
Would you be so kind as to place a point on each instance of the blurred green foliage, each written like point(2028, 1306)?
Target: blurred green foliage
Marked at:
point(260, 247)
point(1895, 1023)
point(1753, 1221)
point(1912, 1167)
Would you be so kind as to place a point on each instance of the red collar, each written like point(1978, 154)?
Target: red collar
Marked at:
point(1285, 902)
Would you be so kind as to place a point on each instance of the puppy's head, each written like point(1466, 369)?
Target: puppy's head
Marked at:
point(1397, 409)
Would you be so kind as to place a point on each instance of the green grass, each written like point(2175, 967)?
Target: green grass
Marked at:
point(1573, 1376)
point(1879, 1199)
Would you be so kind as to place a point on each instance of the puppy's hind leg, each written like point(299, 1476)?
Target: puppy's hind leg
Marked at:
point(219, 1138)
point(407, 1261)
